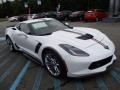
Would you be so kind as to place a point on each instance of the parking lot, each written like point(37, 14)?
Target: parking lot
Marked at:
point(18, 72)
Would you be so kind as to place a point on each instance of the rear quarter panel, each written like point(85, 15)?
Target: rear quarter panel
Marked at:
point(10, 32)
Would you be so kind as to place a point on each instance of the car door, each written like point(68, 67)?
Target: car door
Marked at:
point(24, 40)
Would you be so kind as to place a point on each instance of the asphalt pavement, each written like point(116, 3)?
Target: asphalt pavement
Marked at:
point(18, 72)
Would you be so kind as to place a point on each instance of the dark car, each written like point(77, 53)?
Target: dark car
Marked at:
point(77, 15)
point(42, 15)
point(63, 15)
point(23, 17)
point(37, 16)
point(95, 15)
point(51, 14)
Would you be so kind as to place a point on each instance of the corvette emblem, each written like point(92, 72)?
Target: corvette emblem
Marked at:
point(89, 36)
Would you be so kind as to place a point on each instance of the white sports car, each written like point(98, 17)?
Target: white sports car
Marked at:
point(63, 50)
point(12, 19)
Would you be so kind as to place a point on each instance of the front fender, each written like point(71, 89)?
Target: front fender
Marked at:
point(61, 52)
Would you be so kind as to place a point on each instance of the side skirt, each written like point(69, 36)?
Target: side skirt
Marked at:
point(34, 59)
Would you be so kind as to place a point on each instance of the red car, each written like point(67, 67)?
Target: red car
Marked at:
point(95, 15)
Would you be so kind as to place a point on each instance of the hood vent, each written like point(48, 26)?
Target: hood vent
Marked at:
point(85, 37)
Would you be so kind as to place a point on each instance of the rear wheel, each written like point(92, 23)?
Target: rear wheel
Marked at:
point(53, 64)
point(10, 44)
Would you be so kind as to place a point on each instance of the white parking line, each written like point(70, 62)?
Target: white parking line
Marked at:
point(20, 76)
point(101, 84)
point(37, 82)
point(57, 83)
point(115, 75)
point(9, 70)
point(79, 85)
point(2, 38)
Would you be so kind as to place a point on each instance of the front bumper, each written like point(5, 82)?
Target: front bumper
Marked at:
point(80, 66)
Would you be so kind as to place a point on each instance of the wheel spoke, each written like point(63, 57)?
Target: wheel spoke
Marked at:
point(56, 69)
point(48, 57)
point(52, 65)
point(47, 63)
point(10, 44)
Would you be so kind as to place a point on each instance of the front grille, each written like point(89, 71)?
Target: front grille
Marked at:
point(100, 63)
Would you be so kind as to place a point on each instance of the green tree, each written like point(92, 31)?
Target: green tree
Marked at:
point(17, 7)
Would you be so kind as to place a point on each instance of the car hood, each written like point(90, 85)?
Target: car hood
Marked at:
point(73, 37)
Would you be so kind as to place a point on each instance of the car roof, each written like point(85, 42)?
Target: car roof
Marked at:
point(36, 20)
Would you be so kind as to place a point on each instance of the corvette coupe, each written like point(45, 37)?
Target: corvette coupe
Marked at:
point(63, 50)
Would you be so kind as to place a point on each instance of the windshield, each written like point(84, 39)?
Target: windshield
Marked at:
point(47, 27)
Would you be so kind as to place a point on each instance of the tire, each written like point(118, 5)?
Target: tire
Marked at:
point(10, 44)
point(53, 61)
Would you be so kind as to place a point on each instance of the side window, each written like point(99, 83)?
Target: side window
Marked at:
point(18, 26)
point(24, 28)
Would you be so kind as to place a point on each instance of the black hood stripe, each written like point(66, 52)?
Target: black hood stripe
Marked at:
point(99, 42)
point(105, 46)
point(73, 32)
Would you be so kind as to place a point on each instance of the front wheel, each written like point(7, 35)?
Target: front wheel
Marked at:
point(10, 44)
point(53, 64)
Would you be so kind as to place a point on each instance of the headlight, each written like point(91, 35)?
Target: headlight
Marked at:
point(73, 50)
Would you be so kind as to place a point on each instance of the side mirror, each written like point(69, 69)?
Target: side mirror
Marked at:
point(67, 24)
point(14, 28)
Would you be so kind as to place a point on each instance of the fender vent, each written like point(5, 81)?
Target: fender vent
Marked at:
point(37, 47)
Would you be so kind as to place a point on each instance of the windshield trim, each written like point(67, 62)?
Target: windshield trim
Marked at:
point(47, 33)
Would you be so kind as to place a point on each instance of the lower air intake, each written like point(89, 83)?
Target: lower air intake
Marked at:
point(100, 63)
